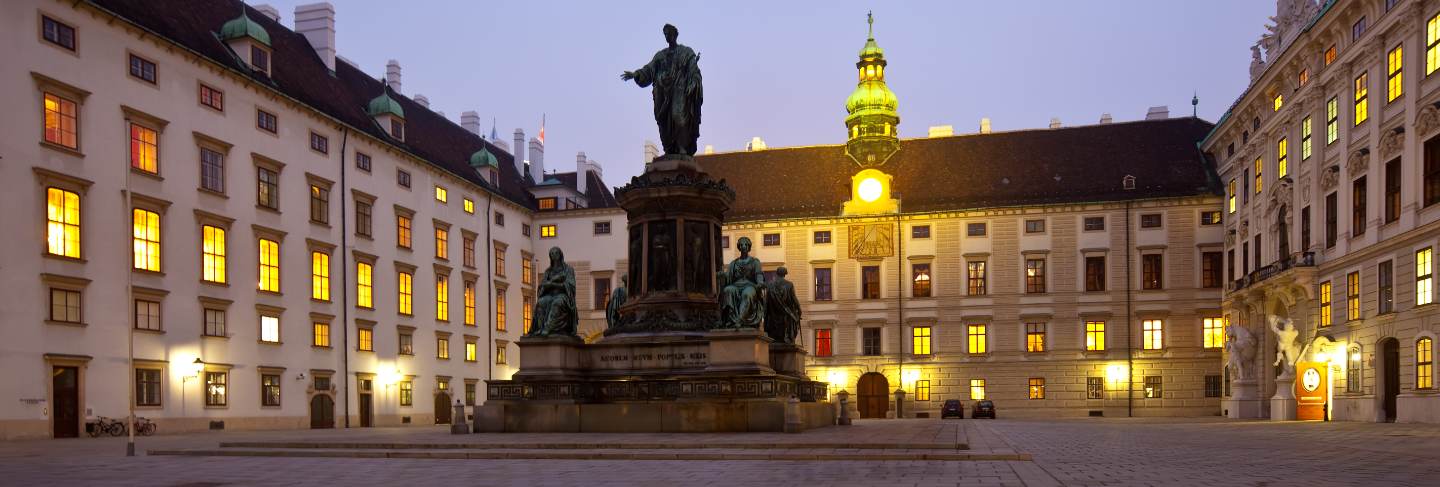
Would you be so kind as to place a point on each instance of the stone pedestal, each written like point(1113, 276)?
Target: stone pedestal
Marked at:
point(1244, 401)
point(845, 415)
point(458, 426)
point(1282, 404)
point(552, 357)
point(742, 351)
point(788, 359)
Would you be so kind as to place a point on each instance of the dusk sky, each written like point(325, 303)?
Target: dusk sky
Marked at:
point(781, 70)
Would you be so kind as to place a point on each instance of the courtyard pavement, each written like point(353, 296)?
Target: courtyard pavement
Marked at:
point(1083, 452)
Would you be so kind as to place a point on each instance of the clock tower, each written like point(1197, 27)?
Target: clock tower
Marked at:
point(873, 121)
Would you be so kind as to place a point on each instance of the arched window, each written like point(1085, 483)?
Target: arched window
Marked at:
point(1424, 363)
point(1353, 370)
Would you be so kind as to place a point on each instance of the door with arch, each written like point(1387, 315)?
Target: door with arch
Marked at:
point(1389, 376)
point(322, 411)
point(874, 395)
point(443, 408)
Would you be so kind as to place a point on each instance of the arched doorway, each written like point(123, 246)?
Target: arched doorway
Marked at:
point(874, 396)
point(1389, 376)
point(442, 408)
point(322, 411)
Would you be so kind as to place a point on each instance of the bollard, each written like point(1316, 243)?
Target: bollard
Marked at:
point(844, 419)
point(899, 403)
point(457, 420)
point(792, 416)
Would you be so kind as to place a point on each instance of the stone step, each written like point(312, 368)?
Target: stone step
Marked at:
point(332, 445)
point(827, 454)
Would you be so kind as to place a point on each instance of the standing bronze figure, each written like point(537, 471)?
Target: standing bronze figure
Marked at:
point(675, 72)
point(782, 308)
point(617, 299)
point(554, 312)
point(742, 299)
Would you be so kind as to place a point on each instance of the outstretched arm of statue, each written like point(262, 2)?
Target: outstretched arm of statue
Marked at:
point(627, 76)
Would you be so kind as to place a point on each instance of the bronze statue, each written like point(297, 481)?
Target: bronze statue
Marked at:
point(782, 309)
point(675, 72)
point(617, 299)
point(742, 300)
point(554, 311)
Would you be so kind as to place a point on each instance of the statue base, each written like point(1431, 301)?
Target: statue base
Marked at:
point(718, 381)
point(1244, 401)
point(673, 162)
point(788, 359)
point(1282, 404)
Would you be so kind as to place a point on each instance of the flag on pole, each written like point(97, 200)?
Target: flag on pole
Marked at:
point(542, 129)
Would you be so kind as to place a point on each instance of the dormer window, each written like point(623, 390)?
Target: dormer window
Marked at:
point(397, 128)
point(249, 41)
point(388, 115)
point(260, 59)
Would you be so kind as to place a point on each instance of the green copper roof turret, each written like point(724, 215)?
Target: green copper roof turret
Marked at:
point(241, 27)
point(384, 104)
point(482, 158)
point(873, 119)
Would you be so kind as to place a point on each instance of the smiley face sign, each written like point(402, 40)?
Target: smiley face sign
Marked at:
point(1310, 380)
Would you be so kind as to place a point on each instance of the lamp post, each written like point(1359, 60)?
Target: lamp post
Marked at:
point(194, 373)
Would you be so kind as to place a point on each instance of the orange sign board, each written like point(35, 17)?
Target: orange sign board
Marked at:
point(1312, 386)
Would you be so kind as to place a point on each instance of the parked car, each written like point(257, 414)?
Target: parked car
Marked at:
point(952, 409)
point(983, 408)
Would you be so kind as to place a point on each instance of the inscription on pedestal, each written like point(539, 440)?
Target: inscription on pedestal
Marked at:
point(654, 360)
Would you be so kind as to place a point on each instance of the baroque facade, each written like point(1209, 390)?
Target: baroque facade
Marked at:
point(1067, 271)
point(287, 241)
point(1332, 171)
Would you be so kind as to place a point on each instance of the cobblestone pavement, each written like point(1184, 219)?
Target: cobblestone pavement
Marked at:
point(1084, 452)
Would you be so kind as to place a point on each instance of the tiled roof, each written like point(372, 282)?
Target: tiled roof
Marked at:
point(300, 74)
point(1028, 167)
point(597, 194)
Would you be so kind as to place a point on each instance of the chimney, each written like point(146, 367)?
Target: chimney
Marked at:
point(1161, 112)
point(316, 21)
point(537, 159)
point(985, 125)
point(942, 130)
point(1055, 123)
point(518, 151)
point(709, 149)
point(651, 152)
point(1105, 118)
point(471, 121)
point(422, 100)
point(580, 172)
point(756, 143)
point(269, 11)
point(392, 75)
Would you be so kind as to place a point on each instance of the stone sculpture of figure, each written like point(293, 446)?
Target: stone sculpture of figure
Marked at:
point(742, 300)
point(554, 311)
point(1240, 350)
point(1287, 346)
point(675, 72)
point(782, 309)
point(617, 299)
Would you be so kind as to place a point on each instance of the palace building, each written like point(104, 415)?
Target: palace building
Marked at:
point(284, 240)
point(1066, 271)
point(1331, 164)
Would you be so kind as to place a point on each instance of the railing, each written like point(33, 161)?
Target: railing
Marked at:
point(1301, 259)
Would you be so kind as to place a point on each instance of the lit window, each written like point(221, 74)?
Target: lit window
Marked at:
point(61, 124)
point(1424, 363)
point(500, 310)
point(1213, 330)
point(322, 334)
point(1153, 334)
point(527, 270)
point(823, 344)
point(441, 195)
point(469, 205)
point(406, 342)
point(976, 277)
point(1279, 101)
point(1037, 388)
point(1094, 387)
point(364, 285)
point(1325, 304)
point(144, 149)
point(920, 340)
point(320, 276)
point(1034, 337)
point(1035, 275)
point(407, 393)
point(922, 390)
point(977, 389)
point(500, 354)
point(920, 285)
point(270, 329)
point(547, 203)
point(526, 314)
point(1094, 336)
point(402, 231)
point(1329, 55)
point(1259, 170)
point(1352, 296)
point(1153, 387)
point(975, 343)
point(1305, 144)
point(470, 351)
point(1395, 74)
point(214, 253)
point(1362, 98)
point(1304, 77)
point(1432, 44)
point(62, 215)
point(442, 347)
point(269, 390)
point(442, 242)
point(365, 339)
point(1424, 269)
point(547, 231)
point(215, 392)
point(269, 265)
point(406, 295)
point(1353, 370)
point(442, 298)
point(1231, 198)
point(147, 240)
point(1282, 160)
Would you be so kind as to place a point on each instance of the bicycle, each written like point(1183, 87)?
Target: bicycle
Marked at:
point(144, 427)
point(103, 425)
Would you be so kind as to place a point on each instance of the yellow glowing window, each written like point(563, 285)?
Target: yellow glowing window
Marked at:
point(442, 298)
point(61, 124)
point(527, 271)
point(406, 295)
point(500, 309)
point(1213, 331)
point(920, 340)
point(1432, 44)
point(320, 276)
point(1259, 172)
point(470, 352)
point(402, 231)
point(1325, 304)
point(1305, 126)
point(469, 303)
point(1352, 296)
point(1424, 363)
point(1035, 337)
point(922, 390)
point(322, 335)
point(1279, 101)
point(1329, 55)
point(147, 240)
point(547, 231)
point(1424, 270)
point(364, 285)
point(499, 354)
point(469, 205)
point(1231, 191)
point(1282, 161)
point(62, 215)
point(365, 340)
point(144, 150)
point(1095, 336)
point(1332, 120)
point(442, 243)
point(1037, 387)
point(441, 195)
point(269, 265)
point(1304, 77)
point(854, 131)
point(1394, 74)
point(214, 253)
point(975, 335)
point(525, 315)
point(1362, 98)
point(546, 203)
point(977, 389)
point(442, 348)
point(1153, 334)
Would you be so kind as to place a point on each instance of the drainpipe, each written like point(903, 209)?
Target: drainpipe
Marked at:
point(1129, 322)
point(129, 213)
point(900, 302)
point(490, 286)
point(344, 279)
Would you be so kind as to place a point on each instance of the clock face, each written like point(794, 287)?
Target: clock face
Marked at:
point(1310, 380)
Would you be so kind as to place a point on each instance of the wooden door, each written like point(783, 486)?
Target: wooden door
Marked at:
point(322, 412)
point(443, 409)
point(367, 403)
point(1391, 376)
point(874, 395)
point(65, 386)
